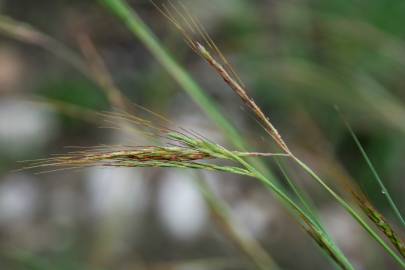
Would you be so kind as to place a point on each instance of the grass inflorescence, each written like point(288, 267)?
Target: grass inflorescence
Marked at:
point(182, 151)
point(190, 151)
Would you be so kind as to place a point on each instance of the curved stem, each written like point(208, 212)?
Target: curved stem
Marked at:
point(351, 211)
point(336, 254)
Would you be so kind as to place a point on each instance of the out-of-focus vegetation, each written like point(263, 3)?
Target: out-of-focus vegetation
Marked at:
point(299, 59)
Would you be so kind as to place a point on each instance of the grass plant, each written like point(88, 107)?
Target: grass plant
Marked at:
point(187, 150)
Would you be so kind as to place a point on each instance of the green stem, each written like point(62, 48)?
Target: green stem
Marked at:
point(290, 204)
point(302, 197)
point(384, 190)
point(352, 212)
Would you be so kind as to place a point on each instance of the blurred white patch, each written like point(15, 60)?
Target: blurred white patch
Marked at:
point(18, 199)
point(24, 126)
point(181, 208)
point(251, 217)
point(116, 191)
point(347, 234)
point(117, 197)
point(256, 213)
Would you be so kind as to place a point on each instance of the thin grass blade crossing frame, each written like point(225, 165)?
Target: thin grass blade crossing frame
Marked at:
point(377, 177)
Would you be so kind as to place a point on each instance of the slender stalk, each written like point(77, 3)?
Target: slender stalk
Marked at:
point(351, 211)
point(308, 223)
point(300, 195)
point(333, 168)
point(26, 33)
point(377, 177)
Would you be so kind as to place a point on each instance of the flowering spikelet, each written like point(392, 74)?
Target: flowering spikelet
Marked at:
point(183, 151)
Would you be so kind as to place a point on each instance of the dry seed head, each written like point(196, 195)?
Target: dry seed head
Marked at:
point(184, 21)
point(120, 157)
point(186, 152)
point(152, 156)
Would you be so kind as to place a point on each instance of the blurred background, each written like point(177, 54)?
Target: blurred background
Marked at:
point(299, 58)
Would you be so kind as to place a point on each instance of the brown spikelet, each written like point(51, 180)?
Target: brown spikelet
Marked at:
point(184, 150)
point(378, 219)
point(119, 157)
point(209, 51)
